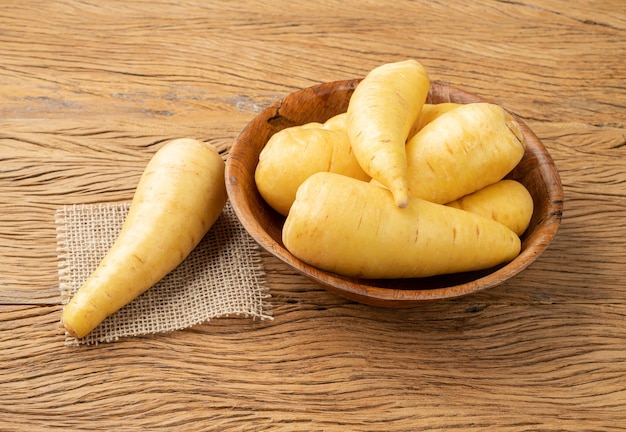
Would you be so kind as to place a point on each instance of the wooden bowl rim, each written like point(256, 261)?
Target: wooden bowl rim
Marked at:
point(358, 289)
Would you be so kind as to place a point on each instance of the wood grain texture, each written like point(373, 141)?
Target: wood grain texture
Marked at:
point(89, 90)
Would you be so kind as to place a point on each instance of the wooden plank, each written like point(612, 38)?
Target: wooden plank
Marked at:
point(448, 366)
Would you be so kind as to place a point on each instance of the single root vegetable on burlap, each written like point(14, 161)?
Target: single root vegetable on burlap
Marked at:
point(180, 195)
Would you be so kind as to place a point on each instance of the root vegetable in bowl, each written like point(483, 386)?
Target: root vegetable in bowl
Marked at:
point(535, 171)
point(354, 228)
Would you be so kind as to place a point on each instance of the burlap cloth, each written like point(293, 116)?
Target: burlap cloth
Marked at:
point(222, 277)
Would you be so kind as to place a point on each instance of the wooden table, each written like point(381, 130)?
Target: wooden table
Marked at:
point(88, 92)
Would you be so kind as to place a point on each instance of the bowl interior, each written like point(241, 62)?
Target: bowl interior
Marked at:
point(536, 171)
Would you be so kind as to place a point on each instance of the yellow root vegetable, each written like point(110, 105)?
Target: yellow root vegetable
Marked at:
point(293, 154)
point(429, 113)
point(381, 112)
point(180, 195)
point(353, 228)
point(337, 123)
point(506, 201)
point(462, 151)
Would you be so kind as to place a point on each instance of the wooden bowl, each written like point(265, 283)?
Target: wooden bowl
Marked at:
point(318, 103)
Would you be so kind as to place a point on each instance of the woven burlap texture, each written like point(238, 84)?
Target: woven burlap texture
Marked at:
point(223, 276)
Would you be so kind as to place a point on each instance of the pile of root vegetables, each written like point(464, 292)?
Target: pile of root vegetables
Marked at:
point(396, 187)
point(393, 188)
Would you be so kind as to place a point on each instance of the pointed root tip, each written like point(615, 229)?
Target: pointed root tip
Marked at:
point(402, 201)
